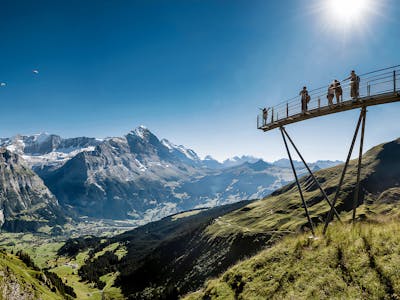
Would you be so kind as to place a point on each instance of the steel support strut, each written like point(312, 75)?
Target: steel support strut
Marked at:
point(311, 173)
point(357, 191)
point(297, 182)
point(329, 218)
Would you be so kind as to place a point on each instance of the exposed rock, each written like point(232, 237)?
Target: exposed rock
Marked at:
point(24, 199)
point(12, 289)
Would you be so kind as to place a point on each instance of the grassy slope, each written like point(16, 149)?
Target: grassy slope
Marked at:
point(353, 263)
point(282, 211)
point(16, 276)
point(358, 262)
point(132, 247)
point(67, 269)
point(44, 254)
point(250, 228)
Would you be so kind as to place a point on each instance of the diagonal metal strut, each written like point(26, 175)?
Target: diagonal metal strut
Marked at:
point(357, 191)
point(297, 182)
point(311, 173)
point(329, 218)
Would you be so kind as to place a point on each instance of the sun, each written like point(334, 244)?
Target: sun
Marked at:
point(348, 12)
point(347, 18)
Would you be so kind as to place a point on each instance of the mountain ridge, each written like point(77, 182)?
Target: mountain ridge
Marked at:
point(45, 143)
point(139, 176)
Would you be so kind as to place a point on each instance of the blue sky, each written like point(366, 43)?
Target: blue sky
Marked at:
point(194, 72)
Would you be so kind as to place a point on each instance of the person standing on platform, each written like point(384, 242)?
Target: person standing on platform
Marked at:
point(305, 98)
point(331, 94)
point(338, 91)
point(354, 85)
point(265, 114)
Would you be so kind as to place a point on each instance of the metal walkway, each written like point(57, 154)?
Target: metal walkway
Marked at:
point(377, 87)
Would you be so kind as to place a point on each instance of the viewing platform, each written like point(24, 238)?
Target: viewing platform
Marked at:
point(377, 87)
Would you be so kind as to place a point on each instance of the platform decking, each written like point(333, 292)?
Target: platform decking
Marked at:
point(327, 110)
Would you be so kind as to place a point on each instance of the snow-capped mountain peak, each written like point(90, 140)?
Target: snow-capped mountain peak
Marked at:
point(134, 174)
point(44, 149)
point(168, 144)
point(14, 144)
point(141, 131)
point(41, 137)
point(209, 157)
point(189, 153)
point(236, 160)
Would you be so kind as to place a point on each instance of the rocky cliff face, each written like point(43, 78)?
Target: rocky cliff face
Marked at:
point(139, 176)
point(11, 289)
point(47, 151)
point(25, 202)
point(20, 279)
point(44, 143)
point(121, 177)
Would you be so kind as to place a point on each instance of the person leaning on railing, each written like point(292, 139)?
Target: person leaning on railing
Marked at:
point(354, 85)
point(265, 114)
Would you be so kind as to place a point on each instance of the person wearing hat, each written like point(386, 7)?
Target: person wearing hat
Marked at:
point(305, 98)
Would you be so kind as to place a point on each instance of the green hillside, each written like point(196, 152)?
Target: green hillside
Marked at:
point(360, 262)
point(282, 212)
point(18, 281)
point(190, 250)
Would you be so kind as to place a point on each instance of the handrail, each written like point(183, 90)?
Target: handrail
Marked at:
point(324, 87)
point(374, 82)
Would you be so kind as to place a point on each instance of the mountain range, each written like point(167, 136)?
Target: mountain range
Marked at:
point(139, 176)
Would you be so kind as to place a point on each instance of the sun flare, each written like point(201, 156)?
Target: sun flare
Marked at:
point(348, 18)
point(347, 12)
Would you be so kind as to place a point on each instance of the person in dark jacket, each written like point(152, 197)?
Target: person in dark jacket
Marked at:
point(305, 98)
point(265, 114)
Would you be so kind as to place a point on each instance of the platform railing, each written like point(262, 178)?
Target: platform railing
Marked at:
point(371, 84)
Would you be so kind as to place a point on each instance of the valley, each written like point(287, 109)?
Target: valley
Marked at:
point(120, 258)
point(177, 255)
